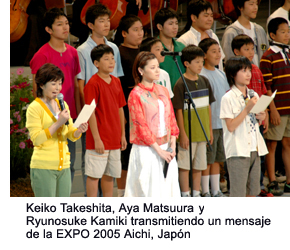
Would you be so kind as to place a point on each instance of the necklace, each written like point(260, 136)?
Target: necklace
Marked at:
point(60, 52)
point(170, 48)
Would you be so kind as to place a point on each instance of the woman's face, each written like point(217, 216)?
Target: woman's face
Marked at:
point(151, 71)
point(51, 89)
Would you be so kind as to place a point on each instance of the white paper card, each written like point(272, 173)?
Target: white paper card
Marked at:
point(85, 114)
point(263, 103)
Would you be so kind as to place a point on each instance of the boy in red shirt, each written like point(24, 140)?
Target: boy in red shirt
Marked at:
point(106, 133)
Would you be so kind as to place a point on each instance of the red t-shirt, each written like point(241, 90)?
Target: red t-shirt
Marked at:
point(109, 98)
point(68, 63)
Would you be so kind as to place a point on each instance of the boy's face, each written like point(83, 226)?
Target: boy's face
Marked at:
point(243, 77)
point(195, 66)
point(101, 27)
point(135, 34)
point(250, 9)
point(247, 50)
point(156, 50)
point(106, 64)
point(169, 28)
point(282, 34)
point(60, 28)
point(213, 55)
point(204, 20)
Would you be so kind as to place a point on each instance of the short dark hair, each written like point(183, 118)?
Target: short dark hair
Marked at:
point(96, 10)
point(274, 23)
point(195, 7)
point(99, 51)
point(51, 15)
point(190, 52)
point(162, 15)
point(147, 43)
point(238, 4)
point(235, 64)
point(140, 62)
point(206, 43)
point(241, 40)
point(125, 24)
point(46, 73)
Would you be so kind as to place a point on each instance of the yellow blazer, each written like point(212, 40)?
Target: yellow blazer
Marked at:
point(50, 151)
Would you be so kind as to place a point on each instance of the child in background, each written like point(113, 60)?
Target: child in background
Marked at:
point(98, 21)
point(219, 86)
point(201, 92)
point(106, 133)
point(128, 37)
point(243, 45)
point(154, 45)
point(246, 10)
point(275, 68)
point(199, 22)
point(167, 23)
point(243, 141)
point(57, 52)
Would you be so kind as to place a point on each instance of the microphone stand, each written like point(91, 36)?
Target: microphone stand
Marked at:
point(189, 101)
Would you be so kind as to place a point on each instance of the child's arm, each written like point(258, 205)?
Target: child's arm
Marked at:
point(274, 114)
point(77, 95)
point(184, 141)
point(210, 126)
point(99, 145)
point(81, 84)
point(123, 137)
point(233, 123)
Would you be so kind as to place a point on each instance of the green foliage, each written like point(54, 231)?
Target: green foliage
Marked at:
point(21, 147)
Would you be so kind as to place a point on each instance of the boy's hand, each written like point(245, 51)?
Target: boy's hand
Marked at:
point(266, 123)
point(99, 146)
point(275, 118)
point(211, 137)
point(251, 103)
point(123, 143)
point(184, 141)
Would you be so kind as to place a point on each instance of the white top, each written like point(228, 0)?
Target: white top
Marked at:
point(164, 80)
point(280, 12)
point(251, 33)
point(193, 37)
point(239, 143)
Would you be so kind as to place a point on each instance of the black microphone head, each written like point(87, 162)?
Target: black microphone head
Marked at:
point(60, 96)
point(251, 93)
point(162, 53)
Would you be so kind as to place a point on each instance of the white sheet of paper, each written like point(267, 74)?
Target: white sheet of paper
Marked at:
point(85, 114)
point(263, 103)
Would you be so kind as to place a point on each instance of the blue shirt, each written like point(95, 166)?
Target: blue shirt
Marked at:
point(219, 86)
point(88, 69)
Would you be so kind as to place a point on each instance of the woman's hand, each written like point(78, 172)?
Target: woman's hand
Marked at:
point(81, 129)
point(63, 117)
point(167, 156)
point(261, 116)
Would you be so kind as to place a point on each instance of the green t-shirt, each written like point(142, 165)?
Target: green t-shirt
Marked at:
point(202, 96)
point(170, 66)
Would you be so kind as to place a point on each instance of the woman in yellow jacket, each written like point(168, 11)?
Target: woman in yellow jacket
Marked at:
point(50, 162)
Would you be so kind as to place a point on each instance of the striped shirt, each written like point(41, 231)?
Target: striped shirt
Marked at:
point(276, 72)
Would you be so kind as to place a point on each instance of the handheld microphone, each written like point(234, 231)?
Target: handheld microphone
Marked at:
point(61, 103)
point(251, 93)
point(165, 169)
point(170, 53)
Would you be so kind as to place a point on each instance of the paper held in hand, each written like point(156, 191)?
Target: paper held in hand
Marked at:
point(263, 103)
point(85, 114)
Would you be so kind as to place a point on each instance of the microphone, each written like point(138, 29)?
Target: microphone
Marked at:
point(61, 103)
point(251, 93)
point(165, 170)
point(170, 53)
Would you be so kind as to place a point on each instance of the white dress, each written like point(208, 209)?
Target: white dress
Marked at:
point(145, 176)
